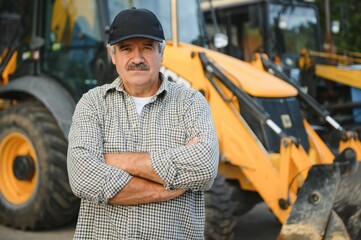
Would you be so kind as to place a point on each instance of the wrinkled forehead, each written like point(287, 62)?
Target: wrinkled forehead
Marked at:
point(138, 41)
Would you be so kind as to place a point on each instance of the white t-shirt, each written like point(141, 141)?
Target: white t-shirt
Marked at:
point(140, 102)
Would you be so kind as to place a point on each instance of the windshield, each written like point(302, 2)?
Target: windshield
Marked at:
point(190, 26)
point(293, 27)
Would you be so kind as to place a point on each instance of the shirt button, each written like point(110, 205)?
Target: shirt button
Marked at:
point(134, 125)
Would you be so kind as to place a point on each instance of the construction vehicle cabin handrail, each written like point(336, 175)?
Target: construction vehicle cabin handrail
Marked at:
point(174, 23)
point(6, 58)
point(7, 64)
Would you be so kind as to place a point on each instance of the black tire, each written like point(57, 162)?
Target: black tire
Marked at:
point(51, 203)
point(245, 200)
point(220, 218)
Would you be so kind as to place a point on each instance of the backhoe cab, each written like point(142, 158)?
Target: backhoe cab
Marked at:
point(269, 152)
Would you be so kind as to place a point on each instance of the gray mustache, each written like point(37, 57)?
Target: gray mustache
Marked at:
point(139, 66)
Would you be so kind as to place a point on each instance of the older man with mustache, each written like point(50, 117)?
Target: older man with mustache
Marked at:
point(142, 150)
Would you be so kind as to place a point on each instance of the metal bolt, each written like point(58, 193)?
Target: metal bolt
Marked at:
point(315, 197)
point(283, 203)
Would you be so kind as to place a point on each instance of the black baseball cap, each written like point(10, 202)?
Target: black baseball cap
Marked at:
point(135, 22)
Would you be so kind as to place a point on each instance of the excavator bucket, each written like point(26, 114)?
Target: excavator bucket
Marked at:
point(328, 206)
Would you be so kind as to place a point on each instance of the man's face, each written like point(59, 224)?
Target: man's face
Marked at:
point(138, 61)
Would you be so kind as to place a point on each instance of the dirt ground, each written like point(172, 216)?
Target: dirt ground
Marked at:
point(64, 233)
point(258, 224)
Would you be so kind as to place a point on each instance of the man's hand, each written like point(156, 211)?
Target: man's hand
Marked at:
point(193, 141)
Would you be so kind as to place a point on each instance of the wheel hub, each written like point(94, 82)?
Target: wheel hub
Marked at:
point(18, 171)
point(24, 167)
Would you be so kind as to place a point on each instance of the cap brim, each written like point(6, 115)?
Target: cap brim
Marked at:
point(136, 36)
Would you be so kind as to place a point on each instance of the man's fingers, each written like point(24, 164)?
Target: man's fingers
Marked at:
point(179, 192)
point(193, 141)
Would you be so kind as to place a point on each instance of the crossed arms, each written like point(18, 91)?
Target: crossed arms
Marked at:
point(146, 186)
point(136, 178)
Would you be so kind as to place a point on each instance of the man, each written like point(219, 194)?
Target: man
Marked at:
point(142, 150)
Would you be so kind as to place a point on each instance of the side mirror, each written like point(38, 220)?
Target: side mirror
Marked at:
point(282, 23)
point(107, 29)
point(220, 40)
point(335, 27)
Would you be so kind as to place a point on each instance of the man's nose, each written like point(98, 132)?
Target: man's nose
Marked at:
point(138, 56)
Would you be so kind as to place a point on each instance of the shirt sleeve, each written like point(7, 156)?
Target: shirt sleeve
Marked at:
point(90, 178)
point(195, 166)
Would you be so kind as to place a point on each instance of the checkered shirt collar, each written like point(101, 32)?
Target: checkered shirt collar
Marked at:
point(118, 85)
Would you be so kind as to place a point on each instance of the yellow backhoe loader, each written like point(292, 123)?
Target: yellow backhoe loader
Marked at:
point(289, 32)
point(269, 152)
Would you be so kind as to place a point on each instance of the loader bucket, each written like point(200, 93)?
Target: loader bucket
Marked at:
point(328, 204)
point(348, 203)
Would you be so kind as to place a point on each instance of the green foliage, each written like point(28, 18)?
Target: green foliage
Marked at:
point(349, 14)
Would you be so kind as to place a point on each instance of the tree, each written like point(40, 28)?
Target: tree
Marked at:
point(349, 15)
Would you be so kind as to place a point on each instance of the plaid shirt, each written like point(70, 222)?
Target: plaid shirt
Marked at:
point(106, 121)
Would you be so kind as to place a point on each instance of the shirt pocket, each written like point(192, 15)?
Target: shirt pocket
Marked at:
point(171, 136)
point(113, 136)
